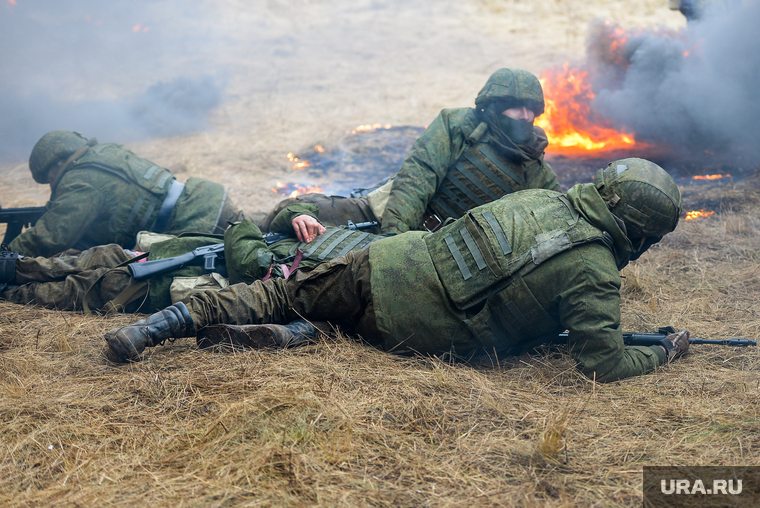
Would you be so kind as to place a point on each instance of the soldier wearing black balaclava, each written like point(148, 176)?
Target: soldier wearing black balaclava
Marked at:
point(467, 157)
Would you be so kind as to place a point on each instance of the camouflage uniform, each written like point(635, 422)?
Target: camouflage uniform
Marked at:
point(62, 282)
point(104, 193)
point(501, 279)
point(462, 160)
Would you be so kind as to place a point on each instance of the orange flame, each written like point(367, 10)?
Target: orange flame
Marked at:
point(319, 148)
point(710, 177)
point(298, 165)
point(292, 190)
point(368, 127)
point(695, 214)
point(568, 121)
point(572, 128)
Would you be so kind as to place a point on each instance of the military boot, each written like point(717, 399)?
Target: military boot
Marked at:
point(260, 336)
point(126, 343)
point(8, 262)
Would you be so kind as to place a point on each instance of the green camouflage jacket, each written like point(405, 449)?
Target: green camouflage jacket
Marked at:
point(424, 178)
point(507, 276)
point(249, 258)
point(108, 195)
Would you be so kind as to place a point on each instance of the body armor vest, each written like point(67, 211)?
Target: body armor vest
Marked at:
point(479, 176)
point(334, 243)
point(488, 249)
point(122, 163)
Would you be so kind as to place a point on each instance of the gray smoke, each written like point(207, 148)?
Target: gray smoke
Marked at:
point(119, 70)
point(707, 100)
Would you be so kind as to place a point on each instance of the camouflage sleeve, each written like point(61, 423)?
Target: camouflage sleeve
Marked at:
point(591, 313)
point(419, 177)
point(246, 255)
point(67, 218)
point(283, 221)
point(551, 177)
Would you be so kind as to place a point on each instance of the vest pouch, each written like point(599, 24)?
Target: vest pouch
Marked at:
point(478, 177)
point(334, 243)
point(511, 320)
point(478, 254)
point(475, 253)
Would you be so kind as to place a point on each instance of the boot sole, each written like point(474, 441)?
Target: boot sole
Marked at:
point(236, 337)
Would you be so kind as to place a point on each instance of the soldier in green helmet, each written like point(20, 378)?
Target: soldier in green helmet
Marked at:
point(102, 193)
point(502, 278)
point(99, 276)
point(467, 157)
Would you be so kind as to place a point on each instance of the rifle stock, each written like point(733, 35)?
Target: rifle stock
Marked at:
point(208, 255)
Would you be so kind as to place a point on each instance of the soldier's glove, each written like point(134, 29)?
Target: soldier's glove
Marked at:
point(680, 344)
point(126, 343)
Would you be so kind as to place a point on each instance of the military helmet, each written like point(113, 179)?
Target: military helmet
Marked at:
point(641, 194)
point(53, 147)
point(515, 87)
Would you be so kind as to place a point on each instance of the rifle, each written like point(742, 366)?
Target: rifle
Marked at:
point(658, 339)
point(208, 255)
point(271, 238)
point(19, 218)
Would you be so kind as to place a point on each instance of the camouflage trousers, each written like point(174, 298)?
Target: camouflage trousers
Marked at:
point(333, 210)
point(335, 291)
point(61, 282)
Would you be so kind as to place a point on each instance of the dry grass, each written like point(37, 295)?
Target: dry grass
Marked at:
point(341, 424)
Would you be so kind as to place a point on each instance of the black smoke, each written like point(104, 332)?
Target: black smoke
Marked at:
point(697, 90)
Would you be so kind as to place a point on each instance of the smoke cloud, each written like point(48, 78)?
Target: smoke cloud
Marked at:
point(696, 90)
point(118, 70)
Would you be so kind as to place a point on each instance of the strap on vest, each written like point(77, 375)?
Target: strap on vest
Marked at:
point(353, 243)
point(491, 157)
point(132, 292)
point(286, 272)
point(458, 257)
point(65, 167)
point(319, 241)
point(498, 232)
point(162, 220)
point(477, 183)
point(490, 174)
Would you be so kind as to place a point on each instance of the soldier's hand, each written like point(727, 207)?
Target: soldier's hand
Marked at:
point(680, 341)
point(307, 228)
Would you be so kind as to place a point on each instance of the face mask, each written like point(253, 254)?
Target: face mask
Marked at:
point(518, 131)
point(644, 246)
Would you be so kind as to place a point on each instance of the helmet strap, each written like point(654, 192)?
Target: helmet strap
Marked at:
point(57, 174)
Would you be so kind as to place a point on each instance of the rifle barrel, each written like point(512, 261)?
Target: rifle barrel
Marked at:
point(725, 342)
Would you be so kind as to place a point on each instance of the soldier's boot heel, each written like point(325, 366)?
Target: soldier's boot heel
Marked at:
point(260, 336)
point(125, 344)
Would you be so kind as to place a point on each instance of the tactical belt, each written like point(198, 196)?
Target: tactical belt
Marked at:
point(162, 220)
